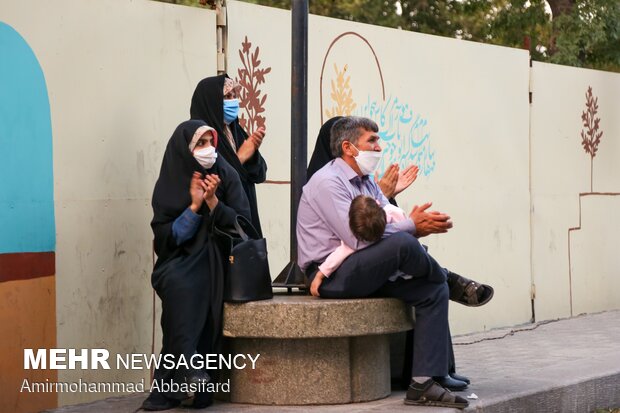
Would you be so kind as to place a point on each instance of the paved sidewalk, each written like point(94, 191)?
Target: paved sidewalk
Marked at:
point(563, 366)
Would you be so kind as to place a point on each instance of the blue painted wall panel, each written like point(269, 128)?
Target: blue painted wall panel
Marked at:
point(26, 168)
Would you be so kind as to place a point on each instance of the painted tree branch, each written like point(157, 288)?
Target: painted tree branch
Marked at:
point(590, 135)
point(250, 77)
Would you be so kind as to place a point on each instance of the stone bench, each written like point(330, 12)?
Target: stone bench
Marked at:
point(312, 350)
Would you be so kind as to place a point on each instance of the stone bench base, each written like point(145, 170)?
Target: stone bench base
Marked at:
point(313, 351)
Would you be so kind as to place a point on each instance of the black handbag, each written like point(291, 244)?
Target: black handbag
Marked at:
point(247, 276)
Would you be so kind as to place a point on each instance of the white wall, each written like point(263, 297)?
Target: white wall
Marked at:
point(460, 111)
point(469, 109)
point(575, 271)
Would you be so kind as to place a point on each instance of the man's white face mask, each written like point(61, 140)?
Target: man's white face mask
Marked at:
point(367, 160)
point(206, 156)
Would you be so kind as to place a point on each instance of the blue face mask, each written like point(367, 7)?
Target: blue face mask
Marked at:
point(231, 110)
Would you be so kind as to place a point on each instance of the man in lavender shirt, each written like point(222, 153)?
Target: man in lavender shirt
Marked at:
point(323, 222)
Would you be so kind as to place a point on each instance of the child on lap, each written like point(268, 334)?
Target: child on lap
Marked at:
point(367, 221)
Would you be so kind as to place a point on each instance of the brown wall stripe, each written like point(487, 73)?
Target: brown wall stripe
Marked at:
point(26, 265)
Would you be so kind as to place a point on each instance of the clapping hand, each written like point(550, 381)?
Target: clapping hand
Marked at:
point(196, 191)
point(405, 178)
point(210, 184)
point(432, 222)
point(251, 145)
point(388, 181)
point(258, 136)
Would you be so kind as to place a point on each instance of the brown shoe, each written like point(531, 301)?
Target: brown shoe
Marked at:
point(430, 393)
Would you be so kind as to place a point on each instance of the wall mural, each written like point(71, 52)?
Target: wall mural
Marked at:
point(26, 187)
point(250, 77)
point(591, 135)
point(251, 98)
point(341, 94)
point(27, 228)
point(404, 133)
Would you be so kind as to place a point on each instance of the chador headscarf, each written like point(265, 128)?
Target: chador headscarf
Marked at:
point(208, 105)
point(322, 151)
point(199, 134)
point(171, 194)
point(230, 85)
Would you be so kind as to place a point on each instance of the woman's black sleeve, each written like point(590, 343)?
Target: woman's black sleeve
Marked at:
point(256, 167)
point(232, 198)
point(164, 242)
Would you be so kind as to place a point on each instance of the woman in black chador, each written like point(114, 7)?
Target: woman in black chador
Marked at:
point(216, 102)
point(195, 190)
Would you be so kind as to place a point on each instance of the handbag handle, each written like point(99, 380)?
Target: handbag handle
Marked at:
point(237, 223)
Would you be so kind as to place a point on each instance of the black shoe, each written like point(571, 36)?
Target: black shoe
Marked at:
point(450, 383)
point(202, 400)
point(430, 393)
point(460, 377)
point(468, 292)
point(196, 378)
point(157, 401)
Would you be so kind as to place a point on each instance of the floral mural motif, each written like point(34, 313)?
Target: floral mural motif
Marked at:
point(406, 140)
point(341, 94)
point(250, 77)
point(403, 132)
point(590, 134)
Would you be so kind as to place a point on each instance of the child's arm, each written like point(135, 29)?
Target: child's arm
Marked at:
point(394, 214)
point(333, 260)
point(316, 283)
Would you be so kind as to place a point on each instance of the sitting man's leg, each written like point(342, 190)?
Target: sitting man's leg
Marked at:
point(432, 333)
point(431, 311)
point(367, 272)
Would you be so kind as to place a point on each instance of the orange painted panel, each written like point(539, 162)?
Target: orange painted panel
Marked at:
point(27, 320)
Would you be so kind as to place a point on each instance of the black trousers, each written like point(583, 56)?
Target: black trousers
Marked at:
point(366, 273)
point(405, 378)
point(186, 320)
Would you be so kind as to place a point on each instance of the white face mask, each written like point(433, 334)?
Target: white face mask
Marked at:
point(206, 156)
point(367, 160)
